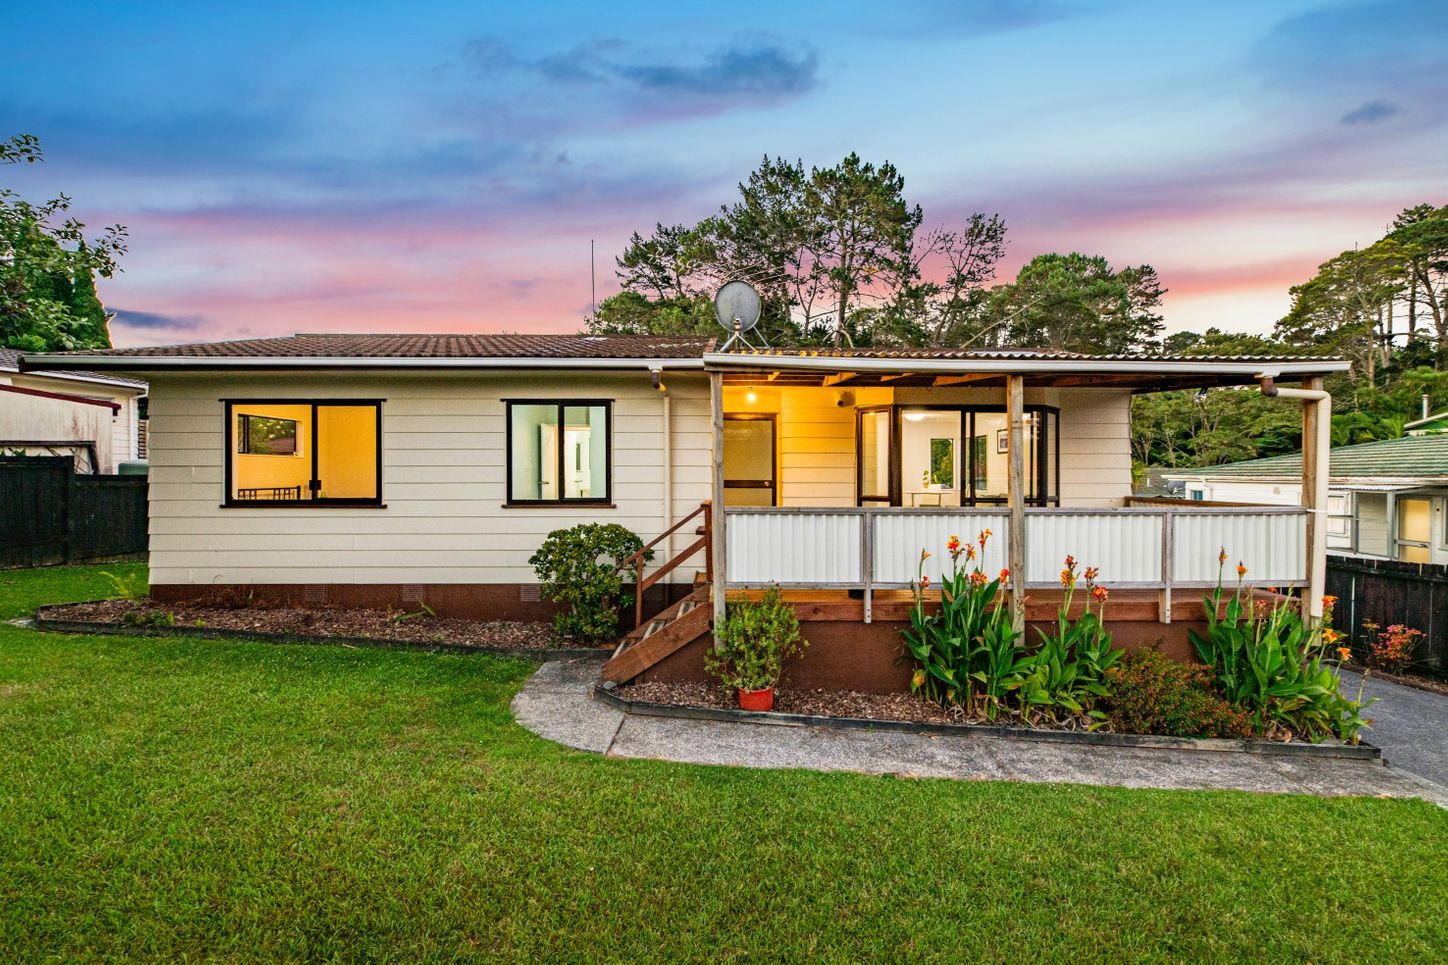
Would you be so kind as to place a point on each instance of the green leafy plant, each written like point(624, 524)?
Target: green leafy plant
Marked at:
point(967, 653)
point(1067, 672)
point(149, 618)
point(1267, 659)
point(1148, 692)
point(580, 569)
point(130, 586)
point(755, 638)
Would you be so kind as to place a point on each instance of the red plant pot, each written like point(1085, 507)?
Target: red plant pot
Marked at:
point(756, 699)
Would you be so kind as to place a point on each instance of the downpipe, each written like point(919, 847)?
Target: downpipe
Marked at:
point(1317, 552)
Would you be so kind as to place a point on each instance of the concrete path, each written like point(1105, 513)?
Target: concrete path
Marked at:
point(1410, 725)
point(557, 703)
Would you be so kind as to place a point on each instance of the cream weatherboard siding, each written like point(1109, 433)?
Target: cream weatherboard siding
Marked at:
point(444, 468)
point(1095, 445)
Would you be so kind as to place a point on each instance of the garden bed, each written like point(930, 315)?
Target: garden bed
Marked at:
point(320, 624)
point(906, 712)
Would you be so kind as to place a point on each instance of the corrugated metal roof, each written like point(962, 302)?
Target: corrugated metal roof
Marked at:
point(1411, 457)
point(1010, 354)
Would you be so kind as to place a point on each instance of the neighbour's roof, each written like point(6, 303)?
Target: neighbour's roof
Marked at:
point(1436, 422)
point(1411, 457)
point(10, 362)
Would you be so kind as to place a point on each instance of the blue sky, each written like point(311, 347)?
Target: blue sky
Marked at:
point(359, 166)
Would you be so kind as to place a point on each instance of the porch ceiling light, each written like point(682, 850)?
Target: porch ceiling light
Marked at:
point(751, 397)
point(915, 416)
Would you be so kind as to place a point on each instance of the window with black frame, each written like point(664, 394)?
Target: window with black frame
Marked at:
point(559, 451)
point(953, 456)
point(303, 452)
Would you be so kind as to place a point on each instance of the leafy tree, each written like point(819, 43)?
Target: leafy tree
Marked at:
point(1080, 303)
point(831, 250)
point(47, 270)
point(1421, 232)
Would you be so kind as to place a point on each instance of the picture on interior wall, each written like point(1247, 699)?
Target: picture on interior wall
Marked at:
point(942, 463)
point(1003, 441)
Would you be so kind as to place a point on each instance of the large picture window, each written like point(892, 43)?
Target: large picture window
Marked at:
point(558, 451)
point(303, 453)
point(938, 455)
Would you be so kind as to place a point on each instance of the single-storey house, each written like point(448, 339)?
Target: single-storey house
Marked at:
point(1386, 499)
point(389, 469)
point(95, 417)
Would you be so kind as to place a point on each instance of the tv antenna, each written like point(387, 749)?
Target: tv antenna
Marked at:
point(737, 306)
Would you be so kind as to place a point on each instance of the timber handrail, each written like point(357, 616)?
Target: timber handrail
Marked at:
point(641, 558)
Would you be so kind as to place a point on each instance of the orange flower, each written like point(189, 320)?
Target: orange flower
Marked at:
point(1070, 562)
point(925, 583)
point(924, 555)
point(953, 545)
point(1222, 557)
point(1068, 579)
point(1344, 653)
point(1328, 602)
point(1241, 569)
point(1100, 593)
point(1091, 572)
point(1331, 636)
point(984, 535)
point(1005, 576)
point(977, 579)
point(970, 552)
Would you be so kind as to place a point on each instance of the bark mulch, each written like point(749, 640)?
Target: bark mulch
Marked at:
point(322, 621)
point(816, 703)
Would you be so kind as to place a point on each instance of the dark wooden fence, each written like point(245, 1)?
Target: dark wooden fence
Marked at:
point(50, 515)
point(1387, 592)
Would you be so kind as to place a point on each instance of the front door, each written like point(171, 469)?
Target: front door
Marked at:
point(749, 463)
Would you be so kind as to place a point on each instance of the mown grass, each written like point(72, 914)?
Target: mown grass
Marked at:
point(174, 798)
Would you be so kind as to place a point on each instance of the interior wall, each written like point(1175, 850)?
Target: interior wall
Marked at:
point(347, 451)
point(255, 471)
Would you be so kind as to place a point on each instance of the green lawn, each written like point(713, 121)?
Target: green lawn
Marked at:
point(167, 798)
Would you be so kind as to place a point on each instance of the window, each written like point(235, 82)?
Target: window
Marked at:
point(304, 452)
point(960, 455)
point(1415, 525)
point(558, 451)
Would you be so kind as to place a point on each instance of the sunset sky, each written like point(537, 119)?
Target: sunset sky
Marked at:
point(443, 167)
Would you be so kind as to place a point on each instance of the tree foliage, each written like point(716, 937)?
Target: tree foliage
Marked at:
point(48, 297)
point(1080, 303)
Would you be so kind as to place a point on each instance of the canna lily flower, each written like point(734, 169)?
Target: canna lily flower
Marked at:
point(1330, 636)
point(984, 535)
point(924, 555)
point(1222, 557)
point(918, 680)
point(977, 579)
point(1091, 572)
point(970, 552)
point(925, 583)
point(1328, 602)
point(1344, 653)
point(1241, 569)
point(1005, 576)
point(1070, 562)
point(1100, 593)
point(1068, 579)
point(954, 544)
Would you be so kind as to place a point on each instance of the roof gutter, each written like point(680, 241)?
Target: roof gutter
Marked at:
point(145, 363)
point(1022, 366)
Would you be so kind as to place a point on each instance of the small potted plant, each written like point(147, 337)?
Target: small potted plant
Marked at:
point(755, 639)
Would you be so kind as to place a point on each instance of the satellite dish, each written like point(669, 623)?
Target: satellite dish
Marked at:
point(737, 302)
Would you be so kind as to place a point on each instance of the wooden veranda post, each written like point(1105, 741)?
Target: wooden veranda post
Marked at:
point(716, 522)
point(1315, 473)
point(1016, 494)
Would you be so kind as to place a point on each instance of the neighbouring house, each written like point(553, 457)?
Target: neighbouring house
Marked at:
point(99, 418)
point(1386, 499)
point(388, 469)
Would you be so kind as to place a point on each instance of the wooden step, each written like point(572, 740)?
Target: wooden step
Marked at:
point(634, 660)
point(700, 578)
